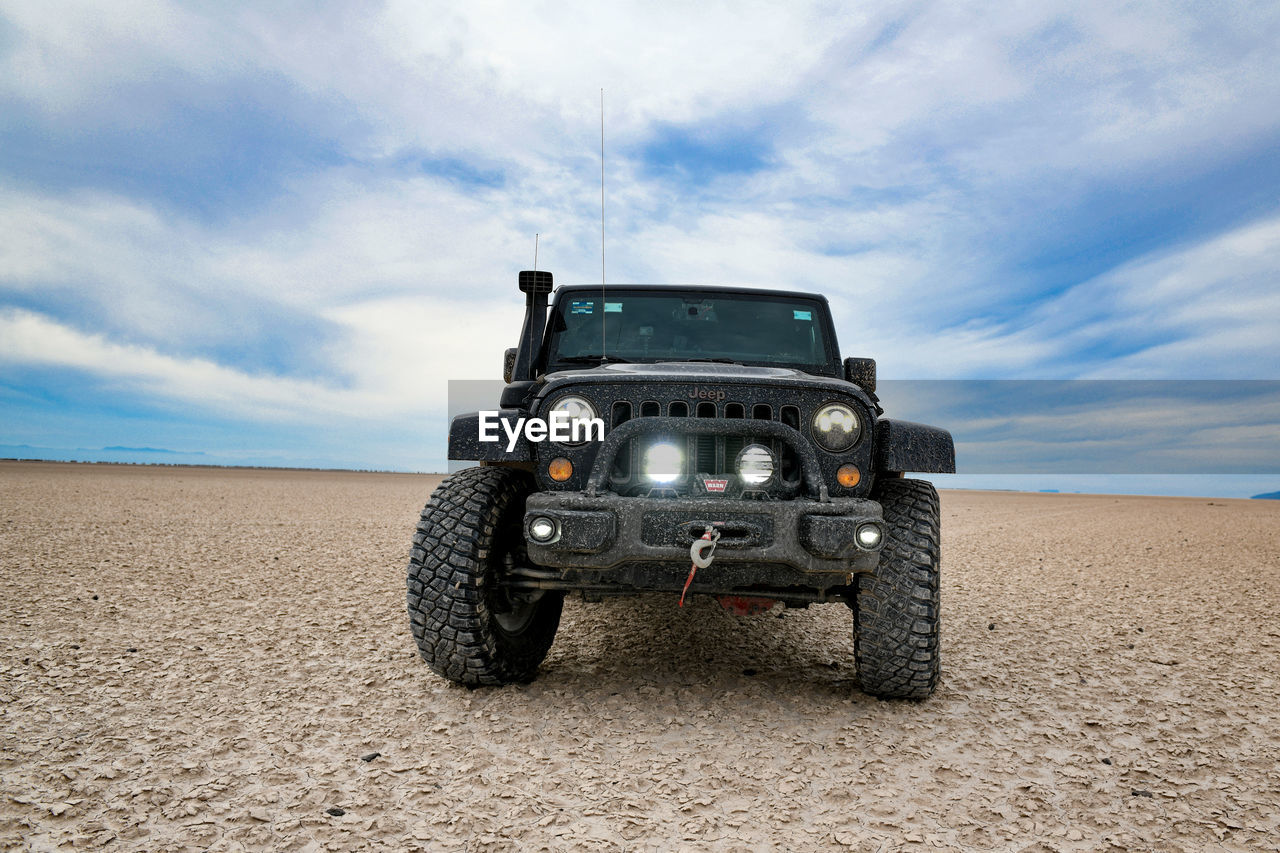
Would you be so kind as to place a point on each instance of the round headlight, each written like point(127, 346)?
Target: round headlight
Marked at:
point(663, 462)
point(578, 413)
point(755, 465)
point(836, 427)
point(543, 529)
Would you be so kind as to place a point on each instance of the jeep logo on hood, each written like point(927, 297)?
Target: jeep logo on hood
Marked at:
point(707, 394)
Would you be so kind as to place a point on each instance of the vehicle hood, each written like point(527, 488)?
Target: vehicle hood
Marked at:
point(698, 372)
point(681, 371)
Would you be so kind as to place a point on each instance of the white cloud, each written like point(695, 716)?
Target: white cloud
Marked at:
point(72, 59)
point(1207, 310)
point(398, 358)
point(1090, 84)
point(910, 143)
point(31, 339)
point(1202, 311)
point(167, 281)
point(407, 349)
point(113, 256)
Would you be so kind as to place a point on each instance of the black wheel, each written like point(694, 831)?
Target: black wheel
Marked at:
point(469, 626)
point(897, 611)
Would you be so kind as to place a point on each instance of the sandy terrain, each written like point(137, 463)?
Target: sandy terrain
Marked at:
point(199, 659)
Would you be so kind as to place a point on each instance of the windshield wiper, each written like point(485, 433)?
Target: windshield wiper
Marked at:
point(591, 359)
point(714, 360)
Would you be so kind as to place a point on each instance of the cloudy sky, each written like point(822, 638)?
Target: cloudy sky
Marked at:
point(269, 233)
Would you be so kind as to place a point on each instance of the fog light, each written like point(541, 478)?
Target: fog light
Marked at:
point(848, 476)
point(663, 462)
point(542, 529)
point(869, 535)
point(560, 469)
point(755, 465)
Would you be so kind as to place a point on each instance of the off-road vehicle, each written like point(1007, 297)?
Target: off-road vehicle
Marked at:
point(741, 458)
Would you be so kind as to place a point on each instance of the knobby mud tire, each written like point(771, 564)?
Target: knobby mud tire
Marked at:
point(468, 627)
point(897, 611)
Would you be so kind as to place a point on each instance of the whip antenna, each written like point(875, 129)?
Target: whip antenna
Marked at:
point(535, 252)
point(603, 336)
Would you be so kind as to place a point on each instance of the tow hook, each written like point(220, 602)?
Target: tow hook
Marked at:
point(702, 552)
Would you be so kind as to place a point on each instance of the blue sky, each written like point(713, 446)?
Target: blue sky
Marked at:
point(268, 235)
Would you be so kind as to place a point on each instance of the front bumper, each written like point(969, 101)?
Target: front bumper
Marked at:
point(783, 541)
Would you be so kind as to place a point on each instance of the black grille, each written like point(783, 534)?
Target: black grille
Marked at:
point(705, 454)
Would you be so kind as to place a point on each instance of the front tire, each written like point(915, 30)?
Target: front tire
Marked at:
point(468, 625)
point(897, 608)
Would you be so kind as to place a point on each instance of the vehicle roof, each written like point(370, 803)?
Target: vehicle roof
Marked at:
point(709, 288)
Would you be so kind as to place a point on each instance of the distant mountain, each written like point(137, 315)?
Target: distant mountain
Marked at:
point(1270, 496)
point(115, 453)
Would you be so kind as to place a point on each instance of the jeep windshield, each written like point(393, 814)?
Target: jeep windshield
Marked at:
point(732, 327)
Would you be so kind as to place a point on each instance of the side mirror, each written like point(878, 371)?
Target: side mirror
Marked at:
point(861, 372)
point(508, 364)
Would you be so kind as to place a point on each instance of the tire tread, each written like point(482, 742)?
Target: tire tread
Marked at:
point(897, 613)
point(451, 621)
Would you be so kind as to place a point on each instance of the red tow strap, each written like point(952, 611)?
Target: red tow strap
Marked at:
point(692, 571)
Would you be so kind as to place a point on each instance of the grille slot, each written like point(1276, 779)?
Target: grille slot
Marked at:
point(733, 445)
point(679, 409)
point(762, 412)
point(619, 415)
point(789, 462)
point(705, 454)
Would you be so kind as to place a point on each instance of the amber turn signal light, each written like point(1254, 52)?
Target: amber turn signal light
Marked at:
point(848, 476)
point(560, 469)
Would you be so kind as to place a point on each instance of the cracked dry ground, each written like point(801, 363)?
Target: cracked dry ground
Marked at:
point(201, 659)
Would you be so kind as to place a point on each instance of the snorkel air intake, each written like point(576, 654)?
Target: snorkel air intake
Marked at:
point(536, 285)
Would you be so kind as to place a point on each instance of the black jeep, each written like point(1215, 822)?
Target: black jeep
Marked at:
point(734, 454)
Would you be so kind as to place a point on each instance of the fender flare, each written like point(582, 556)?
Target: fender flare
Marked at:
point(465, 444)
point(908, 446)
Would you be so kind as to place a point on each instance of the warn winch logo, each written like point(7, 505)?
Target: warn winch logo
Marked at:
point(715, 485)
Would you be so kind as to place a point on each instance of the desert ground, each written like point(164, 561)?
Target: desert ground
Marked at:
point(220, 659)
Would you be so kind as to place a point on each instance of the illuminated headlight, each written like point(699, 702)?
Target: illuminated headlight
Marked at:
point(869, 536)
point(836, 427)
point(755, 465)
point(578, 413)
point(663, 462)
point(543, 529)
